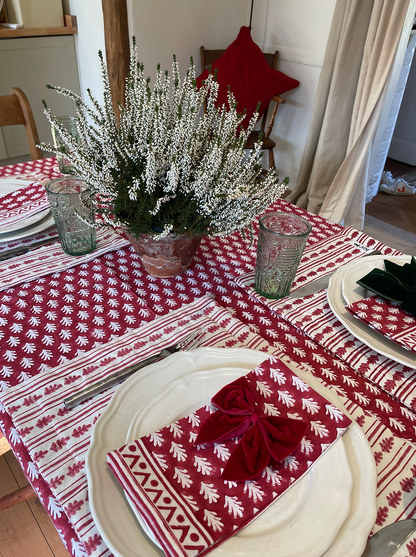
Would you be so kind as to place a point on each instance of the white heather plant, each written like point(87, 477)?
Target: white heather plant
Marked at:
point(167, 166)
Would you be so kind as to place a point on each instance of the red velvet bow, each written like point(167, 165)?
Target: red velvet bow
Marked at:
point(263, 437)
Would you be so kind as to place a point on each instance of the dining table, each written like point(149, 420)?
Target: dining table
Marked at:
point(66, 322)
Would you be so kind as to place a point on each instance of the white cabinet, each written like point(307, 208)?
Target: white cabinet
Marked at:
point(31, 63)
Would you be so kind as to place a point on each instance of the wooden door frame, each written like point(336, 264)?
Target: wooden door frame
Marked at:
point(117, 47)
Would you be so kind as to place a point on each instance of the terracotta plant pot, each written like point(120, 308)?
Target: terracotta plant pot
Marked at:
point(168, 257)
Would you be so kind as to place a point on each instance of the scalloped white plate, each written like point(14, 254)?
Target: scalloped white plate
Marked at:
point(360, 330)
point(111, 512)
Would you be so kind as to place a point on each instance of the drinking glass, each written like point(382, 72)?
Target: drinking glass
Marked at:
point(282, 239)
point(69, 199)
point(70, 124)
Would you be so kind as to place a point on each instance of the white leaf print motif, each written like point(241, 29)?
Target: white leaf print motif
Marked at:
point(306, 446)
point(299, 384)
point(213, 520)
point(161, 461)
point(54, 508)
point(202, 465)
point(221, 451)
point(291, 463)
point(310, 405)
point(182, 477)
point(319, 429)
point(177, 451)
point(194, 420)
point(176, 429)
point(234, 506)
point(271, 410)
point(277, 376)
point(192, 437)
point(271, 476)
point(286, 398)
point(191, 502)
point(156, 439)
point(263, 388)
point(334, 412)
point(254, 491)
point(209, 492)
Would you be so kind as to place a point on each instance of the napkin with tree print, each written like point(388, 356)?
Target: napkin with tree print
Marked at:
point(388, 318)
point(23, 202)
point(182, 490)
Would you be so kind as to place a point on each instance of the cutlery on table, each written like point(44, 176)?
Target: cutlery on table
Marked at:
point(321, 282)
point(388, 540)
point(25, 249)
point(188, 343)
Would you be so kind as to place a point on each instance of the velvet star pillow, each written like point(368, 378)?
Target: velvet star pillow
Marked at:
point(245, 70)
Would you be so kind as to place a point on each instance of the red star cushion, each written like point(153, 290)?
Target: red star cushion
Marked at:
point(244, 68)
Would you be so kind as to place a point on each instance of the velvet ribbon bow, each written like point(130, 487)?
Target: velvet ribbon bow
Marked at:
point(263, 437)
point(397, 283)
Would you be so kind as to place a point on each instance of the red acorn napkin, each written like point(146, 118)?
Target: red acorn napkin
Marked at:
point(388, 318)
point(22, 203)
point(192, 496)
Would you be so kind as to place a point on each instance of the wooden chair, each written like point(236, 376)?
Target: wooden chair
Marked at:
point(15, 110)
point(208, 57)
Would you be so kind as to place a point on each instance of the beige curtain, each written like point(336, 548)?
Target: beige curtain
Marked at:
point(354, 79)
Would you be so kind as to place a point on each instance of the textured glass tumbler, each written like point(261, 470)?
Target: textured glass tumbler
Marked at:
point(69, 198)
point(282, 239)
point(70, 124)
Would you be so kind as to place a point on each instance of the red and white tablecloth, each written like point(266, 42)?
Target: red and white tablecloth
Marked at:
point(56, 327)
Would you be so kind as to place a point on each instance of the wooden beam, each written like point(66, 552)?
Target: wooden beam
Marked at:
point(117, 46)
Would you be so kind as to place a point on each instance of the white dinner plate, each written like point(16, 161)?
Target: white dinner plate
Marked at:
point(357, 269)
point(24, 223)
point(360, 330)
point(113, 516)
point(46, 222)
point(304, 521)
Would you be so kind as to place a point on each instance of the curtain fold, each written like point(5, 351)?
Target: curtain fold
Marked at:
point(354, 79)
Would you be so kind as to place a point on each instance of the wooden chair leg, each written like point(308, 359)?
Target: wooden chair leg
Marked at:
point(17, 497)
point(271, 159)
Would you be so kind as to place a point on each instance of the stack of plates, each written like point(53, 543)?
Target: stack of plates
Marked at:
point(330, 511)
point(26, 227)
point(344, 290)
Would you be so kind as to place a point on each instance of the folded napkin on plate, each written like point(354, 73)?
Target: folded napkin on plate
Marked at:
point(22, 203)
point(388, 318)
point(396, 283)
point(177, 486)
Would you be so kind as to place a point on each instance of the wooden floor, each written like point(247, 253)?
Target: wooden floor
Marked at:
point(397, 210)
point(26, 529)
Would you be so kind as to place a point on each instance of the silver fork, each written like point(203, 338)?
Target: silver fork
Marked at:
point(193, 340)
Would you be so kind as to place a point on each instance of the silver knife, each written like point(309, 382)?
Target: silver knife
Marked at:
point(111, 380)
point(388, 540)
point(25, 249)
point(320, 283)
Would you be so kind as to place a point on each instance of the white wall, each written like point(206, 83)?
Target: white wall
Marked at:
point(299, 31)
point(88, 41)
point(181, 27)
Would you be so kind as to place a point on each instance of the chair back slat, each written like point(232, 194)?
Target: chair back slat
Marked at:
point(15, 110)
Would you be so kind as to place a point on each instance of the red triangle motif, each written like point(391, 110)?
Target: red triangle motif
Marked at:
point(158, 494)
point(135, 458)
point(170, 513)
point(185, 530)
point(146, 476)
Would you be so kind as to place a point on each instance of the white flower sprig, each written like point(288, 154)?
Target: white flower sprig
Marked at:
point(167, 164)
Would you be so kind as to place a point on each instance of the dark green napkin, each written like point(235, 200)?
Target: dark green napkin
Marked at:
point(397, 283)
